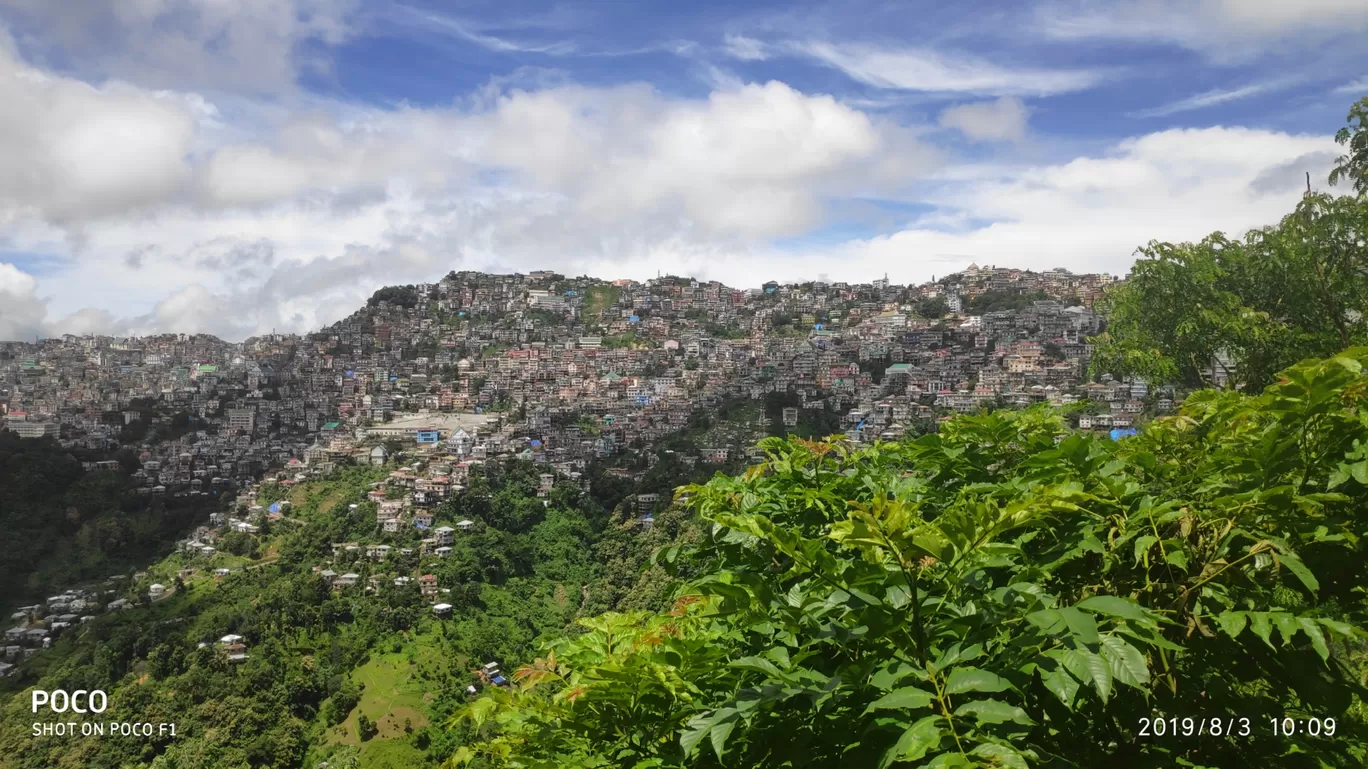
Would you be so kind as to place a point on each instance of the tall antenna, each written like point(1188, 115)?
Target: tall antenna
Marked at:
point(1308, 182)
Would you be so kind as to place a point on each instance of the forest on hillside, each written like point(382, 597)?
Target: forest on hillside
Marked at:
point(60, 524)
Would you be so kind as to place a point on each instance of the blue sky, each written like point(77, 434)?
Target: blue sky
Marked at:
point(172, 165)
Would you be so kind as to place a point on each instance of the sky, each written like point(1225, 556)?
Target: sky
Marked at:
point(238, 167)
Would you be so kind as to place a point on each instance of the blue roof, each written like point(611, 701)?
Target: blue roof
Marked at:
point(536, 442)
point(500, 680)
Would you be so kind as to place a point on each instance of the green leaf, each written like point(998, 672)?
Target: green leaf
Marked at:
point(1313, 632)
point(719, 734)
point(1295, 565)
point(1000, 755)
point(1115, 606)
point(1232, 622)
point(1142, 545)
point(970, 679)
point(762, 665)
point(1101, 674)
point(1126, 662)
point(1083, 626)
point(1260, 626)
point(1341, 628)
point(915, 742)
point(1287, 626)
point(1061, 684)
point(906, 698)
point(700, 725)
point(887, 676)
point(994, 712)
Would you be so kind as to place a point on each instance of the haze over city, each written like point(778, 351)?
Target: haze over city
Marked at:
point(191, 167)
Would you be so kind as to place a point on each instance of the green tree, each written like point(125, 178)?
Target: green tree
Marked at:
point(1001, 594)
point(1352, 166)
point(365, 728)
point(1244, 309)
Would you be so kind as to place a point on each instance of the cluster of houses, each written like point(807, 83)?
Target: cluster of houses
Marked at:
point(561, 370)
point(37, 626)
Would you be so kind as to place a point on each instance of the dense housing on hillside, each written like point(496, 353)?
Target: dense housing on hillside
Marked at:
point(562, 370)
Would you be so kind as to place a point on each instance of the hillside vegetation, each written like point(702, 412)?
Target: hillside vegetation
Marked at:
point(60, 524)
point(352, 676)
point(1002, 593)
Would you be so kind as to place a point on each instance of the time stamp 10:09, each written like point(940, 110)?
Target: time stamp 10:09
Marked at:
point(1237, 726)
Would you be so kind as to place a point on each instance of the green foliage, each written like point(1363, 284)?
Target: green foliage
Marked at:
point(59, 524)
point(1352, 166)
point(998, 301)
point(1283, 293)
point(599, 298)
point(1000, 594)
point(400, 296)
point(320, 659)
point(932, 308)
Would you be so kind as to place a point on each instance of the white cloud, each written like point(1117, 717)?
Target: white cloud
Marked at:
point(253, 45)
point(1212, 98)
point(293, 228)
point(73, 151)
point(1090, 213)
point(921, 69)
point(1222, 29)
point(1359, 86)
point(745, 48)
point(21, 312)
point(1000, 120)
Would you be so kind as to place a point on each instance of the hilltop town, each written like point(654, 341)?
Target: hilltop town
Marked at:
point(562, 370)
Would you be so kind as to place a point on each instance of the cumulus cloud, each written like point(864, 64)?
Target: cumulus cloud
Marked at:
point(1091, 213)
point(1000, 120)
point(22, 314)
point(71, 151)
point(256, 45)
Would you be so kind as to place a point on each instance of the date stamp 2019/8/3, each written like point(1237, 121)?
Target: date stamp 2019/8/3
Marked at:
point(1234, 726)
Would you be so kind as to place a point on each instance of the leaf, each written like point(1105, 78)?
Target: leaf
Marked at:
point(1313, 632)
point(1295, 565)
point(971, 679)
point(1341, 628)
point(1142, 545)
point(906, 698)
point(762, 665)
point(1101, 674)
point(1060, 683)
point(700, 725)
point(1232, 622)
point(719, 735)
point(915, 742)
point(1126, 662)
point(1259, 625)
point(1287, 626)
point(994, 712)
point(885, 677)
point(1000, 755)
point(1115, 606)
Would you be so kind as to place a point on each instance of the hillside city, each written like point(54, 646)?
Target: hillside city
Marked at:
point(539, 367)
point(563, 370)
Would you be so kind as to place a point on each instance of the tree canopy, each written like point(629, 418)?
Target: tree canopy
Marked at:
point(1001, 594)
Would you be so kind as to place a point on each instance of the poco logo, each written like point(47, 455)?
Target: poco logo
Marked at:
point(79, 701)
